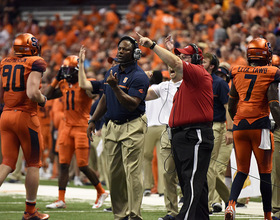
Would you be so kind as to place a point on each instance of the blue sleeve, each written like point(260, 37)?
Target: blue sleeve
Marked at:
point(139, 86)
point(224, 92)
point(97, 86)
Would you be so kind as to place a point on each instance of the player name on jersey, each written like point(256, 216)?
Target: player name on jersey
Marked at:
point(252, 69)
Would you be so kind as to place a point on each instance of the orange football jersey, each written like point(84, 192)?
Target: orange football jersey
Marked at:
point(14, 73)
point(57, 113)
point(252, 83)
point(76, 103)
point(44, 113)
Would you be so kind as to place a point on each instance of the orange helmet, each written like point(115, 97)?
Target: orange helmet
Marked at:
point(275, 60)
point(70, 68)
point(259, 49)
point(26, 44)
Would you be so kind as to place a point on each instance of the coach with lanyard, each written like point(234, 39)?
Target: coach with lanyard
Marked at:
point(191, 126)
point(125, 89)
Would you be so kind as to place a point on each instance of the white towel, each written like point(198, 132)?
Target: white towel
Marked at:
point(265, 140)
point(99, 148)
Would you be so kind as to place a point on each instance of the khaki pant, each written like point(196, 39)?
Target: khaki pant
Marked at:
point(170, 178)
point(152, 139)
point(103, 160)
point(275, 175)
point(219, 129)
point(125, 146)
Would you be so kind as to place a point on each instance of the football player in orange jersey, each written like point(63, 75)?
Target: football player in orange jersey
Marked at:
point(74, 134)
point(253, 93)
point(20, 77)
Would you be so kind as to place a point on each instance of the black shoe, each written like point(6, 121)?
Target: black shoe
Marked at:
point(147, 192)
point(217, 207)
point(240, 205)
point(167, 217)
point(14, 181)
point(108, 209)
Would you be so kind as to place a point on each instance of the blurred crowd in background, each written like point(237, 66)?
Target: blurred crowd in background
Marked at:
point(220, 27)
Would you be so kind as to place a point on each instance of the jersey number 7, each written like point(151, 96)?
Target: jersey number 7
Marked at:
point(251, 86)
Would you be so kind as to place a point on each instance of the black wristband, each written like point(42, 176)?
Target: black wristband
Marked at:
point(230, 130)
point(42, 104)
point(153, 45)
point(91, 120)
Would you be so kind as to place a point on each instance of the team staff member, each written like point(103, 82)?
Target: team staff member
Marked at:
point(125, 89)
point(191, 124)
point(165, 92)
point(223, 136)
point(73, 135)
point(275, 174)
point(253, 91)
point(19, 86)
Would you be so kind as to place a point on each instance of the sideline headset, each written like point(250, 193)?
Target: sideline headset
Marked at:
point(215, 62)
point(195, 57)
point(137, 53)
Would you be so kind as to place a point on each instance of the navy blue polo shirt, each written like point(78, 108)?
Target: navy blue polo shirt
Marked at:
point(134, 82)
point(221, 95)
point(98, 87)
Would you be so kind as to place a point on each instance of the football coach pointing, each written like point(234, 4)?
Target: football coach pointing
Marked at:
point(191, 126)
point(125, 89)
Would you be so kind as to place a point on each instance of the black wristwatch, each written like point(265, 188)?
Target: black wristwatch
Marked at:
point(153, 45)
point(91, 120)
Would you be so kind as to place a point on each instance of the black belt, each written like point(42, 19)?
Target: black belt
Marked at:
point(191, 126)
point(120, 122)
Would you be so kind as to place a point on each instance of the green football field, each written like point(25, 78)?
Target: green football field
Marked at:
point(12, 207)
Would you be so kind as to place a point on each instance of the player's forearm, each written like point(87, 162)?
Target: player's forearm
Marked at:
point(82, 79)
point(228, 118)
point(36, 96)
point(275, 111)
point(232, 107)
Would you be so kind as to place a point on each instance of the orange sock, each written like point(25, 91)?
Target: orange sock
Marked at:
point(267, 216)
point(232, 203)
point(54, 171)
point(99, 188)
point(61, 195)
point(30, 207)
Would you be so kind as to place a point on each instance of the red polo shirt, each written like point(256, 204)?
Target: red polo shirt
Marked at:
point(193, 102)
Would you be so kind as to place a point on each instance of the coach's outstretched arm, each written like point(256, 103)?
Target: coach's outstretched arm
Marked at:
point(166, 56)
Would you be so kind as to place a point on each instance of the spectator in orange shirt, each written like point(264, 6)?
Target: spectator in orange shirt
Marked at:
point(94, 17)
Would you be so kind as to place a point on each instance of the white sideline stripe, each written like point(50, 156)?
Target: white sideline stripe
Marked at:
point(195, 162)
point(4, 203)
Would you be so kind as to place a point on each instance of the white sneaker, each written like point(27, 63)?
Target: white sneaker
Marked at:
point(230, 213)
point(56, 205)
point(100, 200)
point(77, 181)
